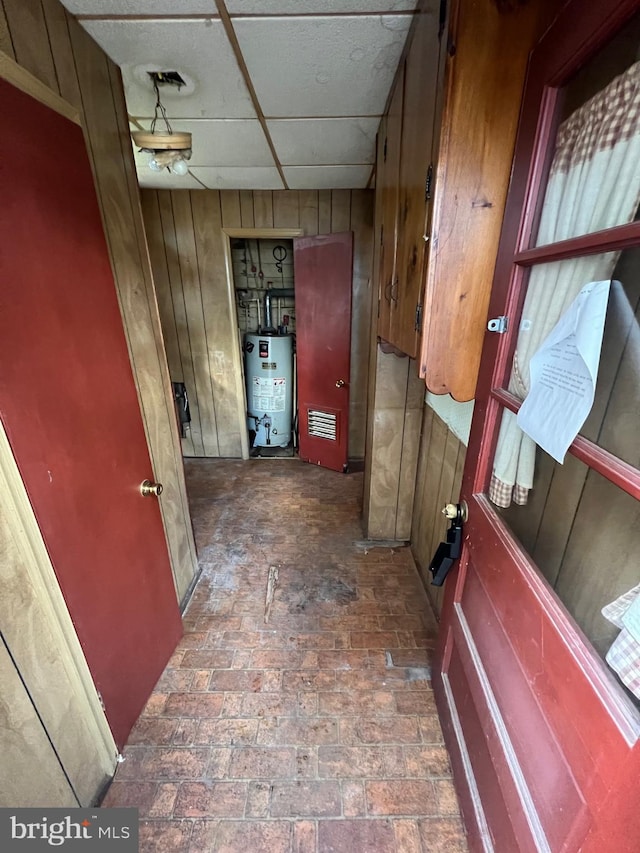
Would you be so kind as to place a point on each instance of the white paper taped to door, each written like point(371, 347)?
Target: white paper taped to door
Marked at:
point(269, 395)
point(564, 372)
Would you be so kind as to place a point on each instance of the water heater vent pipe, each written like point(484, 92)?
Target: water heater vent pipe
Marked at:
point(269, 294)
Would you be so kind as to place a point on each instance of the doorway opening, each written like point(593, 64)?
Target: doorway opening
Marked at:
point(264, 292)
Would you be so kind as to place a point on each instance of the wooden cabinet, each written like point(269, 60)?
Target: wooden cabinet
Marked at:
point(406, 152)
point(417, 155)
point(387, 200)
point(440, 255)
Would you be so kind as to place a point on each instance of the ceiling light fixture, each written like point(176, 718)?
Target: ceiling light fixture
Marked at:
point(167, 149)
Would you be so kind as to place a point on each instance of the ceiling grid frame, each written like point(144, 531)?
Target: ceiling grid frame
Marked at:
point(280, 93)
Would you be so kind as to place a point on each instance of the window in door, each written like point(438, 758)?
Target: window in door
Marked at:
point(580, 521)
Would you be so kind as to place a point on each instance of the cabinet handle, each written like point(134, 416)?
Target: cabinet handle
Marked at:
point(387, 291)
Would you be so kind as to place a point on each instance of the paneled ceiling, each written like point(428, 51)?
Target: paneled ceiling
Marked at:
point(279, 93)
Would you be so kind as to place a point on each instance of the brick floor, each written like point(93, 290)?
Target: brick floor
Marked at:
point(315, 730)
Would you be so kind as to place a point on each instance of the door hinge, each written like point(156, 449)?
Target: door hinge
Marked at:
point(427, 183)
point(418, 324)
point(498, 324)
point(382, 235)
point(384, 151)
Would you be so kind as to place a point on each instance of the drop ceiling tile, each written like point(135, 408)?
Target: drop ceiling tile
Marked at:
point(327, 177)
point(234, 142)
point(323, 141)
point(197, 49)
point(237, 178)
point(304, 7)
point(333, 66)
point(157, 8)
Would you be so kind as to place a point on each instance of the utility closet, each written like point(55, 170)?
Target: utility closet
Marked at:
point(265, 305)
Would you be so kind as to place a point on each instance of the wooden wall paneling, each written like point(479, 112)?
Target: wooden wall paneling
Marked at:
point(220, 322)
point(484, 80)
point(231, 212)
point(597, 569)
point(30, 40)
point(416, 153)
point(6, 45)
point(446, 494)
point(192, 444)
point(419, 548)
point(613, 419)
point(156, 396)
point(157, 254)
point(445, 488)
point(38, 631)
point(262, 209)
point(286, 211)
point(373, 321)
point(191, 285)
point(389, 189)
point(309, 212)
point(219, 314)
point(526, 524)
point(387, 448)
point(372, 354)
point(324, 211)
point(31, 774)
point(559, 502)
point(430, 507)
point(108, 135)
point(457, 478)
point(56, 18)
point(410, 449)
point(427, 480)
point(362, 226)
point(437, 592)
point(340, 210)
point(247, 216)
point(28, 83)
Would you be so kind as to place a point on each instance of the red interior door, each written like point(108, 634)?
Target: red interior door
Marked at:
point(70, 409)
point(543, 737)
point(323, 272)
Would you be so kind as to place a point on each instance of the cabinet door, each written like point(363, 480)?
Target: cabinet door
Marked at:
point(418, 122)
point(388, 177)
point(485, 69)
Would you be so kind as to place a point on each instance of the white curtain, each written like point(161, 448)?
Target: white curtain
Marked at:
point(594, 184)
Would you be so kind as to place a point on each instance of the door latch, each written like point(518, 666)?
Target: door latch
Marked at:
point(498, 324)
point(448, 552)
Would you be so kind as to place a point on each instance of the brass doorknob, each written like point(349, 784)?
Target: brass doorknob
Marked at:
point(147, 488)
point(453, 512)
point(340, 383)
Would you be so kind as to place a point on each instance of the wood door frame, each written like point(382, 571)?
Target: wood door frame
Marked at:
point(238, 363)
point(30, 85)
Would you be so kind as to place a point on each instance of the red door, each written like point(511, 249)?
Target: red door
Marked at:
point(70, 409)
point(323, 272)
point(539, 703)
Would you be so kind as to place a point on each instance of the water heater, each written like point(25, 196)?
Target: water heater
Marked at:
point(269, 378)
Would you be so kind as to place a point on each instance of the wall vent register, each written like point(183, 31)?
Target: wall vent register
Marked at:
point(323, 424)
